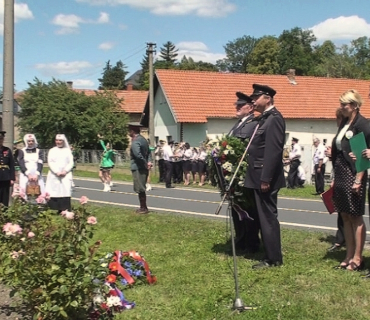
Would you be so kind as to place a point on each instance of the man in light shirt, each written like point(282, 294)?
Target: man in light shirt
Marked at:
point(167, 157)
point(294, 161)
point(319, 165)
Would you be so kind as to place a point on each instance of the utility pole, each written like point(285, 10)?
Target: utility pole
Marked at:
point(8, 74)
point(150, 50)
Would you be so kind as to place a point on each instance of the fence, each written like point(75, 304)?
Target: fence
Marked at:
point(122, 157)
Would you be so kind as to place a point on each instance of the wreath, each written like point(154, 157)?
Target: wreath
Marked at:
point(225, 157)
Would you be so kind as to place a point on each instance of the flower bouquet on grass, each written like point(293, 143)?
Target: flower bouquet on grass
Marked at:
point(226, 154)
point(120, 270)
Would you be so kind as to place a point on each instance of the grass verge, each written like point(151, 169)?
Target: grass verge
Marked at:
point(195, 275)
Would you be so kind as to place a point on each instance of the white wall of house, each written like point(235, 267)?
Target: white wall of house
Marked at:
point(165, 125)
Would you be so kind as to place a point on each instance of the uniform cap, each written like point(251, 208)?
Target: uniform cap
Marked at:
point(242, 99)
point(259, 89)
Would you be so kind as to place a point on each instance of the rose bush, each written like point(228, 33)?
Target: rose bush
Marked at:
point(47, 259)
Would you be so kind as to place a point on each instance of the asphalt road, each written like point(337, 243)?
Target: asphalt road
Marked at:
point(299, 213)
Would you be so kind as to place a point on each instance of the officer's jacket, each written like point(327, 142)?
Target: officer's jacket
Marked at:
point(7, 171)
point(266, 152)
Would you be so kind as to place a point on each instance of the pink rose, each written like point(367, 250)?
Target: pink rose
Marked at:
point(84, 199)
point(11, 229)
point(40, 199)
point(92, 220)
point(14, 255)
point(68, 214)
point(30, 234)
point(47, 196)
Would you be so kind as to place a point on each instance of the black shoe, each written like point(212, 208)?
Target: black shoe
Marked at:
point(170, 187)
point(334, 248)
point(316, 194)
point(266, 264)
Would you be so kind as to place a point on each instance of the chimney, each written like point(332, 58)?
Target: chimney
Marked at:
point(70, 84)
point(130, 87)
point(291, 76)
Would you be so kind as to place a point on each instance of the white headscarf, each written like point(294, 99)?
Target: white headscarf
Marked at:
point(29, 136)
point(62, 137)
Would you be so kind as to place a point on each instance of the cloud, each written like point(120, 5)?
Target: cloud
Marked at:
point(62, 67)
point(83, 83)
point(21, 12)
point(197, 50)
point(106, 45)
point(103, 18)
point(195, 45)
point(342, 28)
point(71, 23)
point(203, 8)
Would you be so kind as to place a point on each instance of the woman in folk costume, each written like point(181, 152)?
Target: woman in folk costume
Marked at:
point(31, 164)
point(59, 179)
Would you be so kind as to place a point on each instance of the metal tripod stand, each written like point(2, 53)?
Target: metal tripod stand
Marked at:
point(238, 303)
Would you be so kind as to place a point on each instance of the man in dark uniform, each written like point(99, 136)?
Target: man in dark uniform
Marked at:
point(141, 162)
point(243, 129)
point(7, 171)
point(265, 174)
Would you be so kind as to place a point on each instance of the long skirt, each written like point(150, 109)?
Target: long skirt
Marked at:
point(60, 204)
point(345, 200)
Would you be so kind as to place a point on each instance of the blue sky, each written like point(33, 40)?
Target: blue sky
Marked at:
point(71, 40)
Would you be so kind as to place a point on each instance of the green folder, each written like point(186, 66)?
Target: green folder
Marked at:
point(358, 144)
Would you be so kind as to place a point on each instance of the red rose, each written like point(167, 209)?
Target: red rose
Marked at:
point(224, 144)
point(225, 172)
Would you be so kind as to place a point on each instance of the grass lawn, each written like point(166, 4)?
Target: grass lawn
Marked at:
point(195, 279)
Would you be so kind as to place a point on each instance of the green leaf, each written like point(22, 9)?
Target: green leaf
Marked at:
point(74, 303)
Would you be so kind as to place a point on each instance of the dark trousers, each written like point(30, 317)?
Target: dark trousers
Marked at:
point(266, 211)
point(319, 178)
point(4, 192)
point(168, 166)
point(162, 170)
point(293, 174)
point(177, 172)
point(339, 236)
point(245, 240)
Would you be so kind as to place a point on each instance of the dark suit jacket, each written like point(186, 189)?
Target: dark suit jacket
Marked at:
point(245, 130)
point(359, 124)
point(266, 153)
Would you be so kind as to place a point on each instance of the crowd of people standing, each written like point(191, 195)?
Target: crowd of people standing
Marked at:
point(178, 163)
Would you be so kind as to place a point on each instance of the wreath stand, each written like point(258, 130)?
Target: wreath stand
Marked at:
point(238, 302)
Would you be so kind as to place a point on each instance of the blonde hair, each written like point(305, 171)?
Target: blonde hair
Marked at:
point(351, 96)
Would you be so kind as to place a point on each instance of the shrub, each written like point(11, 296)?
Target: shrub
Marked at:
point(47, 260)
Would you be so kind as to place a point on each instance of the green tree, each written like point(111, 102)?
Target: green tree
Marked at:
point(296, 51)
point(144, 76)
point(360, 49)
point(168, 56)
point(238, 54)
point(113, 77)
point(53, 107)
point(264, 57)
point(190, 64)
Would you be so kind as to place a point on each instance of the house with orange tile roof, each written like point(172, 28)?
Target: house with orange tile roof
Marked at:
point(132, 100)
point(192, 106)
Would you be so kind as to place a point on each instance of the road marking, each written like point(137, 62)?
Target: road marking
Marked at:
point(194, 200)
point(291, 224)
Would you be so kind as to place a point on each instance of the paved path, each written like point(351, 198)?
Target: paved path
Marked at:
point(302, 213)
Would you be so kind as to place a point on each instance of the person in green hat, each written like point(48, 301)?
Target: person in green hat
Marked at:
point(141, 163)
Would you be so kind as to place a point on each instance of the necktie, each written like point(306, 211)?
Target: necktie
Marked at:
point(236, 125)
